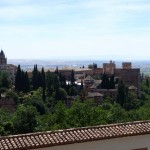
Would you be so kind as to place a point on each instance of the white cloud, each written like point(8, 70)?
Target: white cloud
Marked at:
point(78, 28)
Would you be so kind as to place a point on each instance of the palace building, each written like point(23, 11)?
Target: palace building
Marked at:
point(130, 75)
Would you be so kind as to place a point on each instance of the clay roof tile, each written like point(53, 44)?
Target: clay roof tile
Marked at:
point(47, 139)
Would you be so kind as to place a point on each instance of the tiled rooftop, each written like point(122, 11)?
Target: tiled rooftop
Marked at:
point(89, 78)
point(70, 136)
point(95, 94)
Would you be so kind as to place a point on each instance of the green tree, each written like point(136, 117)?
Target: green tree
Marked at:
point(5, 80)
point(105, 82)
point(83, 94)
point(13, 95)
point(122, 93)
point(147, 82)
point(24, 119)
point(81, 87)
point(25, 82)
point(81, 114)
point(39, 80)
point(144, 87)
point(60, 94)
point(35, 74)
point(18, 79)
point(73, 91)
point(116, 114)
point(49, 83)
point(43, 84)
point(72, 78)
point(36, 100)
point(2, 131)
point(57, 71)
point(112, 82)
point(8, 127)
point(22, 81)
point(56, 83)
point(62, 80)
point(92, 66)
point(132, 102)
point(63, 83)
point(60, 116)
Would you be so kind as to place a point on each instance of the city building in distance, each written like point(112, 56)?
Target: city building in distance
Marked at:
point(129, 75)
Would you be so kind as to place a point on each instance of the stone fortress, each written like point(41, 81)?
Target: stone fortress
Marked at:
point(130, 76)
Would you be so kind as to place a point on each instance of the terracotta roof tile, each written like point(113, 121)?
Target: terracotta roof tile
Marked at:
point(69, 136)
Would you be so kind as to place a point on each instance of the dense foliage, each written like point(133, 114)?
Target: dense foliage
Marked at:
point(43, 107)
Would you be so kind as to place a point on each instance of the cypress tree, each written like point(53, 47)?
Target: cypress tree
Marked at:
point(94, 65)
point(56, 84)
point(27, 83)
point(57, 71)
point(49, 83)
point(105, 82)
point(60, 79)
point(122, 93)
point(22, 81)
point(81, 87)
point(43, 84)
point(112, 82)
point(72, 78)
point(23, 86)
point(43, 77)
point(18, 79)
point(35, 83)
point(39, 80)
point(64, 81)
point(147, 82)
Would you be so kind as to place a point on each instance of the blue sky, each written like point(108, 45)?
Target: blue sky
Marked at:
point(75, 29)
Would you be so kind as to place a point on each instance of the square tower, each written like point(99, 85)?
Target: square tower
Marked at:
point(109, 68)
point(3, 60)
point(126, 65)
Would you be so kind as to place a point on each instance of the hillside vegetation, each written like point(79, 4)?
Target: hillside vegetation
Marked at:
point(40, 104)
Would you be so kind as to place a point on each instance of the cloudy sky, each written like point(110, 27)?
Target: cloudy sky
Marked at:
point(75, 29)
